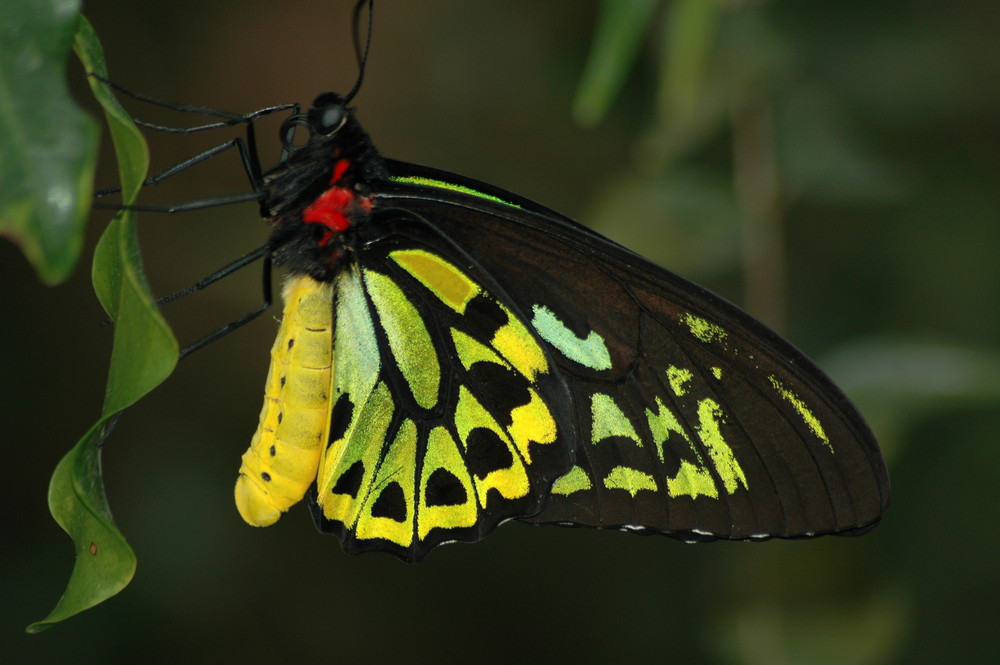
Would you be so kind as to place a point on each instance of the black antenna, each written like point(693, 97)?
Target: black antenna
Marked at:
point(362, 56)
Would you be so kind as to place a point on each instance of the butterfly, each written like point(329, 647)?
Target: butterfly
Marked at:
point(452, 356)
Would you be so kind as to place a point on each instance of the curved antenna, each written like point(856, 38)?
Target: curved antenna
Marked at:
point(362, 56)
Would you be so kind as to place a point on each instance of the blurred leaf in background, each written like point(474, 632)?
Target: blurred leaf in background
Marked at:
point(47, 144)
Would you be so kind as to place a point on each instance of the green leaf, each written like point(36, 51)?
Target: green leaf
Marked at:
point(130, 151)
point(143, 355)
point(144, 351)
point(105, 563)
point(130, 146)
point(48, 146)
point(620, 31)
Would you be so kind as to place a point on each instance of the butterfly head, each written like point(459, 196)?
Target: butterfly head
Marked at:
point(320, 191)
point(328, 121)
point(328, 115)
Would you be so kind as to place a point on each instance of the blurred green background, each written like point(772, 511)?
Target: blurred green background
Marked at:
point(835, 167)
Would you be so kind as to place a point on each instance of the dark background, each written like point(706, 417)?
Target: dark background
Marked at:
point(882, 119)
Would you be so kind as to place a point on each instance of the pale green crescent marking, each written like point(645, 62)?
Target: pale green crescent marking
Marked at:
point(575, 480)
point(811, 421)
point(702, 329)
point(590, 352)
point(442, 184)
point(677, 377)
point(631, 480)
point(607, 419)
point(710, 416)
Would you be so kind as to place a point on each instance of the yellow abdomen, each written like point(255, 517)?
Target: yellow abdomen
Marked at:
point(283, 457)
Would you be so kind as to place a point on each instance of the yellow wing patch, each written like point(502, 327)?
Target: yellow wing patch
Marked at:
point(395, 479)
point(440, 277)
point(516, 344)
point(446, 494)
point(511, 482)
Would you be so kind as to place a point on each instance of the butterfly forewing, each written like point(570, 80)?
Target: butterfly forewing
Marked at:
point(691, 418)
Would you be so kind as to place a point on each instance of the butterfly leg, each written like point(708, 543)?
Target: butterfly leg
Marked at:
point(237, 143)
point(225, 271)
point(246, 318)
point(228, 118)
point(247, 149)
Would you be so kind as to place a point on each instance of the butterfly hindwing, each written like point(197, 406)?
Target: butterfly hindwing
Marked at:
point(446, 408)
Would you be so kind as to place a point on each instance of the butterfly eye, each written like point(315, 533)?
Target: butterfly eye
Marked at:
point(288, 130)
point(329, 119)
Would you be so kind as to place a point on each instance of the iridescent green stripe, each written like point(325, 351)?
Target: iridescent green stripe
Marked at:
point(422, 181)
point(811, 421)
